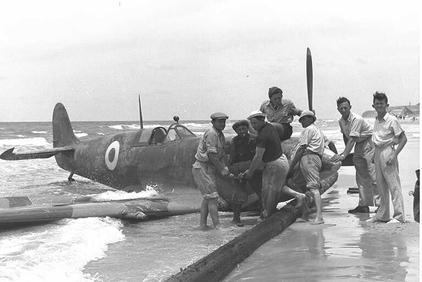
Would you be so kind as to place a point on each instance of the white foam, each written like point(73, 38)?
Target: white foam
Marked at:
point(38, 132)
point(131, 126)
point(36, 141)
point(57, 252)
point(122, 195)
point(79, 135)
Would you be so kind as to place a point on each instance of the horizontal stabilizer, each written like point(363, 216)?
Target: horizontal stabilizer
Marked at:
point(43, 154)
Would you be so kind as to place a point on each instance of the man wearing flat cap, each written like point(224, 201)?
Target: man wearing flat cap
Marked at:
point(275, 163)
point(210, 160)
point(280, 110)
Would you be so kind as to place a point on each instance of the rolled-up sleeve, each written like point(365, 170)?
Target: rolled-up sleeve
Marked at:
point(396, 128)
point(356, 128)
point(211, 142)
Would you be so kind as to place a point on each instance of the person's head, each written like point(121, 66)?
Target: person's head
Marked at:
point(218, 120)
point(380, 102)
point(275, 94)
point(241, 127)
point(257, 119)
point(307, 118)
point(343, 107)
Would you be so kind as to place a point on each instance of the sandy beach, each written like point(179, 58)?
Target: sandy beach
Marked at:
point(345, 248)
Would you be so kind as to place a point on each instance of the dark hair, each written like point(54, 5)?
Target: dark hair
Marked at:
point(380, 96)
point(341, 100)
point(274, 90)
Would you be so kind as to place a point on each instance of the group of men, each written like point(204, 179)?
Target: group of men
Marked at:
point(261, 157)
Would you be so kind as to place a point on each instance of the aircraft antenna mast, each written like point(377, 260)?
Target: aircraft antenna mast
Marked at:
point(141, 121)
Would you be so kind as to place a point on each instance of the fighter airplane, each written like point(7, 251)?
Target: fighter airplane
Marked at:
point(131, 160)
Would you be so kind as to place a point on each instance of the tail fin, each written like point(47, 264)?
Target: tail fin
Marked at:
point(62, 129)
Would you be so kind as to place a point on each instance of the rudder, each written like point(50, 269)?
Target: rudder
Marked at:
point(62, 129)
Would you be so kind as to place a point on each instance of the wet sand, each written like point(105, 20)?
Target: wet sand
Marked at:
point(345, 248)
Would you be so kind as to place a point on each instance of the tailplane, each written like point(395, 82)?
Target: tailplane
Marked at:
point(62, 129)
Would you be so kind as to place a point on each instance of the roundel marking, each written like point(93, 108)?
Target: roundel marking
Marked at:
point(112, 155)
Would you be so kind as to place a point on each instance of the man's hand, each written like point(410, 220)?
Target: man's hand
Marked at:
point(337, 158)
point(391, 158)
point(225, 171)
point(245, 175)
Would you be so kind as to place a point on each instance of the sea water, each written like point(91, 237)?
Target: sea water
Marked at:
point(104, 249)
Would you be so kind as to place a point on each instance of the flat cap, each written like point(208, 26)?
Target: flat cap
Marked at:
point(274, 90)
point(219, 115)
point(243, 122)
point(256, 114)
point(307, 113)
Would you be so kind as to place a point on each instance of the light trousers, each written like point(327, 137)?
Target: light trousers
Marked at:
point(388, 182)
point(365, 174)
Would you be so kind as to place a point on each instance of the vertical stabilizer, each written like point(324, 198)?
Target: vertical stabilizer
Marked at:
point(62, 129)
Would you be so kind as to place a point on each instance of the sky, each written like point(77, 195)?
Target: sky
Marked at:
point(191, 58)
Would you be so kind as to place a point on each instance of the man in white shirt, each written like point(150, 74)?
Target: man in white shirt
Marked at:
point(310, 156)
point(387, 134)
point(358, 134)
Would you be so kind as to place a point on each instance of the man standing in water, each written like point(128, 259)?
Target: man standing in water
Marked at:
point(358, 134)
point(387, 133)
point(276, 165)
point(309, 153)
point(280, 110)
point(210, 160)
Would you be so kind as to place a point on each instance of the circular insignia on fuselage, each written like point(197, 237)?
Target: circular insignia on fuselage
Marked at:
point(112, 155)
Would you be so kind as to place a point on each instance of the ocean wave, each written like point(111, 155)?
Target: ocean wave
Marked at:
point(35, 141)
point(57, 252)
point(130, 126)
point(38, 132)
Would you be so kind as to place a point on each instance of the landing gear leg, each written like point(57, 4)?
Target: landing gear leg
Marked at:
point(70, 178)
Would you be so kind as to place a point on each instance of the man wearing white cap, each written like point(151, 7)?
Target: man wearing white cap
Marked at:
point(310, 156)
point(210, 160)
point(276, 165)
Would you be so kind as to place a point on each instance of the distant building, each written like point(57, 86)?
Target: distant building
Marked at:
point(401, 112)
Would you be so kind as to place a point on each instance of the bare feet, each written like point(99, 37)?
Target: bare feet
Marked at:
point(394, 221)
point(318, 221)
point(203, 228)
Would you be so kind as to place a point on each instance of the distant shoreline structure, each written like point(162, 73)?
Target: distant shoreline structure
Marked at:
point(401, 112)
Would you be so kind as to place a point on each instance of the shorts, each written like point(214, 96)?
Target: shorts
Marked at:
point(205, 180)
point(310, 165)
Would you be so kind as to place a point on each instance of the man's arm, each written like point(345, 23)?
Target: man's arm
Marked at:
point(220, 166)
point(297, 157)
point(402, 142)
point(232, 154)
point(256, 162)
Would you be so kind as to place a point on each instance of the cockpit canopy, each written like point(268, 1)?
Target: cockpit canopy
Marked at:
point(159, 135)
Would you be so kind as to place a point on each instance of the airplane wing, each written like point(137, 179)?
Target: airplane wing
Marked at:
point(42, 154)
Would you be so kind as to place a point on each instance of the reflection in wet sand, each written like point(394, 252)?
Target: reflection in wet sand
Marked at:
point(346, 248)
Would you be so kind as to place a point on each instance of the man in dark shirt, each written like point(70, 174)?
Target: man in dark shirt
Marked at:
point(242, 147)
point(275, 163)
point(242, 150)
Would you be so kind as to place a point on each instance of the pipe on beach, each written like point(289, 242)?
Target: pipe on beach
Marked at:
point(218, 264)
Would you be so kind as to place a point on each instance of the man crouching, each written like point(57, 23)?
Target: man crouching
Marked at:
point(310, 156)
point(210, 157)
